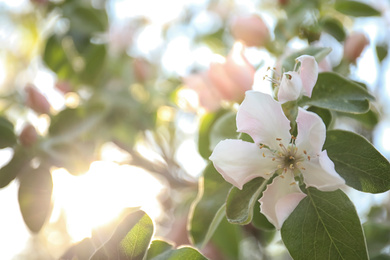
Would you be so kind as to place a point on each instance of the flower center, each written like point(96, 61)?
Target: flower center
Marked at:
point(288, 157)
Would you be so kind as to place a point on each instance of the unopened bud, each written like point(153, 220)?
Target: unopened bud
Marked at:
point(251, 30)
point(354, 46)
point(63, 86)
point(283, 2)
point(28, 136)
point(142, 69)
point(36, 101)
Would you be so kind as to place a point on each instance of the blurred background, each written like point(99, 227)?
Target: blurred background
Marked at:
point(103, 100)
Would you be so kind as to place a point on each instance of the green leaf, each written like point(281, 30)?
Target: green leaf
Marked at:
point(206, 123)
point(211, 196)
point(7, 135)
point(240, 203)
point(369, 119)
point(325, 114)
point(75, 122)
point(381, 257)
point(319, 53)
point(34, 197)
point(67, 121)
point(260, 221)
point(130, 240)
point(223, 128)
point(94, 62)
point(135, 243)
point(334, 27)
point(377, 237)
point(161, 250)
point(324, 225)
point(227, 239)
point(56, 58)
point(333, 91)
point(18, 162)
point(358, 162)
point(381, 51)
point(354, 8)
point(86, 20)
point(218, 217)
point(158, 247)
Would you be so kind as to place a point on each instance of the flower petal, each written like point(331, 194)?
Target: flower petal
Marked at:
point(308, 72)
point(261, 117)
point(240, 71)
point(223, 83)
point(209, 98)
point(320, 173)
point(290, 88)
point(280, 198)
point(311, 132)
point(239, 162)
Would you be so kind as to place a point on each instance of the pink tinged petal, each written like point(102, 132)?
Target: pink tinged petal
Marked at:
point(223, 83)
point(354, 45)
point(320, 173)
point(261, 117)
point(209, 98)
point(251, 30)
point(290, 88)
point(280, 199)
point(308, 72)
point(311, 132)
point(239, 162)
point(240, 71)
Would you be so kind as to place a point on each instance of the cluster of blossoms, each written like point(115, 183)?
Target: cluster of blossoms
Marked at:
point(226, 79)
point(229, 78)
point(275, 152)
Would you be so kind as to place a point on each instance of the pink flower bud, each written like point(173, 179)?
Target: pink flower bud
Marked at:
point(354, 46)
point(283, 2)
point(234, 76)
point(251, 30)
point(209, 98)
point(63, 86)
point(28, 136)
point(36, 101)
point(142, 69)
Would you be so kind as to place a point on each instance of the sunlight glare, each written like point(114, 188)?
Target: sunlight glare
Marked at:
point(177, 56)
point(189, 158)
point(150, 9)
point(187, 99)
point(100, 195)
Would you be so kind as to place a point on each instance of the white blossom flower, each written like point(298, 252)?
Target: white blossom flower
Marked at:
point(298, 82)
point(275, 151)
